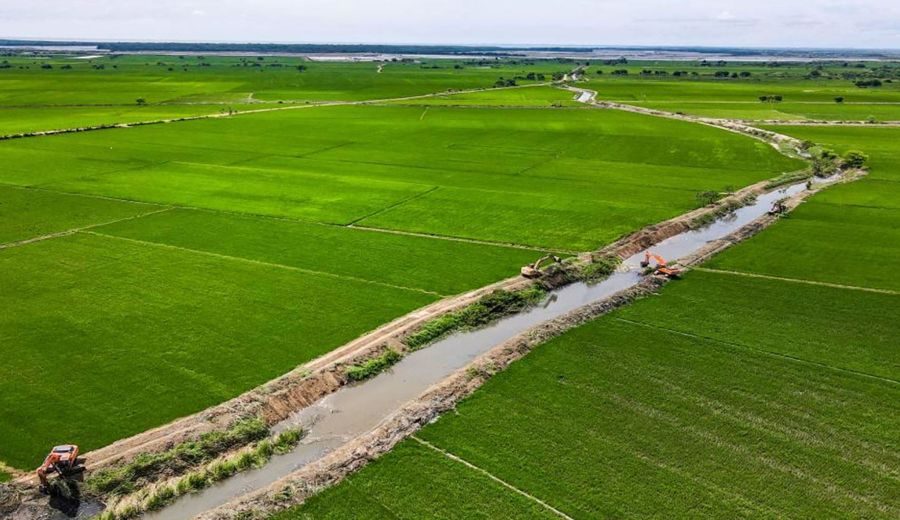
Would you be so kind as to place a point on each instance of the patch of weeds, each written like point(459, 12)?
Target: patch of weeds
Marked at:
point(162, 497)
point(789, 178)
point(286, 441)
point(218, 470)
point(491, 307)
point(730, 206)
point(222, 470)
point(373, 366)
point(705, 198)
point(192, 482)
point(600, 268)
point(146, 467)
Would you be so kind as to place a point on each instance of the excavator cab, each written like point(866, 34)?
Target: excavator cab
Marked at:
point(62, 460)
point(662, 266)
point(534, 270)
point(778, 207)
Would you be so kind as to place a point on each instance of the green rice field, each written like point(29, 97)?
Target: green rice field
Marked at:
point(763, 385)
point(151, 272)
point(174, 266)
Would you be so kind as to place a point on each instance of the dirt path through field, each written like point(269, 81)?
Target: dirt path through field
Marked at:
point(775, 139)
point(489, 475)
point(72, 231)
point(799, 280)
point(232, 113)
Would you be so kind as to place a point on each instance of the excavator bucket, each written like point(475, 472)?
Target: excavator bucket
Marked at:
point(534, 270)
point(62, 460)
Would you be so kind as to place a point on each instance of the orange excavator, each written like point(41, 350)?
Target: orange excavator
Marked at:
point(662, 266)
point(62, 460)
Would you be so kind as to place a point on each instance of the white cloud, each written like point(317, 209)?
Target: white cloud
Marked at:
point(788, 23)
point(725, 16)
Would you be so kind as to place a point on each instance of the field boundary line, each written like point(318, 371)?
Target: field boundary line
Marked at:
point(43, 188)
point(263, 263)
point(394, 205)
point(760, 351)
point(297, 220)
point(491, 476)
point(67, 232)
point(233, 113)
point(536, 249)
point(797, 280)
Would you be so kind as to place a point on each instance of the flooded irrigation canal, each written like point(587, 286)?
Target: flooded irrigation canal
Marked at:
point(357, 409)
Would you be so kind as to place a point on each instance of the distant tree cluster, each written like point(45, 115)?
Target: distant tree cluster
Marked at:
point(866, 83)
point(771, 99)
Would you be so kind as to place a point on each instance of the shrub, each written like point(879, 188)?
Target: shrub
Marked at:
point(855, 159)
point(374, 366)
point(705, 198)
point(600, 268)
point(489, 308)
point(160, 498)
point(824, 162)
point(124, 479)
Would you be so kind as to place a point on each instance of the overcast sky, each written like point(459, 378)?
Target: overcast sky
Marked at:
point(759, 23)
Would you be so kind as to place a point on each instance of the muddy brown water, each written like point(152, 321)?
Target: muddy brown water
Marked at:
point(359, 408)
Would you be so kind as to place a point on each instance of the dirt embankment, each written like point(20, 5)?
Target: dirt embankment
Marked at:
point(779, 141)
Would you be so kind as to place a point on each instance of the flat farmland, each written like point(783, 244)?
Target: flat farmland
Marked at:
point(175, 266)
point(765, 384)
point(630, 420)
point(454, 490)
point(24, 120)
point(559, 179)
point(105, 90)
point(697, 91)
point(532, 96)
point(28, 214)
point(846, 235)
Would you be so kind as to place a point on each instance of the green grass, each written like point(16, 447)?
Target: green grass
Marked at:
point(5, 477)
point(488, 308)
point(150, 319)
point(846, 245)
point(26, 214)
point(845, 235)
point(445, 267)
point(22, 120)
point(726, 396)
point(704, 96)
point(556, 179)
point(538, 96)
point(839, 328)
point(147, 467)
point(374, 366)
point(227, 80)
point(124, 336)
point(621, 420)
point(452, 490)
